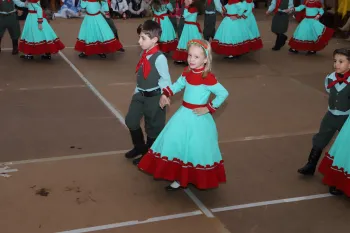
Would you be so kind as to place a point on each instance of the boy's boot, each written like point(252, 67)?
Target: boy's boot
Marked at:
point(139, 144)
point(14, 47)
point(310, 166)
point(149, 144)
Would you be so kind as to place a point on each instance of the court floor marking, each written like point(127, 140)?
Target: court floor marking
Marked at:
point(196, 213)
point(106, 153)
point(113, 110)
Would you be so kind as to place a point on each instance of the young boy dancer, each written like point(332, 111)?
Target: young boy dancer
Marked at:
point(152, 75)
point(9, 21)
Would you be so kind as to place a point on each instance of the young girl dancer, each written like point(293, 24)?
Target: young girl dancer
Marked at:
point(335, 166)
point(38, 38)
point(168, 41)
point(191, 30)
point(233, 37)
point(187, 150)
point(251, 22)
point(95, 36)
point(310, 35)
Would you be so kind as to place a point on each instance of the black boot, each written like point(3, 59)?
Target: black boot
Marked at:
point(14, 47)
point(283, 39)
point(310, 166)
point(139, 144)
point(47, 56)
point(334, 191)
point(117, 37)
point(276, 47)
point(149, 144)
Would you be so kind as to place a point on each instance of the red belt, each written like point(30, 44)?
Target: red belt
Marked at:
point(229, 15)
point(159, 17)
point(192, 106)
point(93, 14)
point(195, 23)
point(32, 12)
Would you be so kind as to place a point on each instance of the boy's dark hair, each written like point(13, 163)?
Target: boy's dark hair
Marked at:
point(150, 28)
point(342, 51)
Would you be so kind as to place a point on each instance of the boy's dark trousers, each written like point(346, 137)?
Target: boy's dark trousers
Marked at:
point(144, 105)
point(10, 22)
point(329, 126)
point(209, 26)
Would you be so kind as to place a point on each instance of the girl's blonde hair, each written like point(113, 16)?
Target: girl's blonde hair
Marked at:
point(205, 45)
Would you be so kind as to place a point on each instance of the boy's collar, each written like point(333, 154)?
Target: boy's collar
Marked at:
point(151, 47)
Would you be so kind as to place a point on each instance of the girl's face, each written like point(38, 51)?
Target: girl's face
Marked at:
point(188, 2)
point(341, 64)
point(196, 57)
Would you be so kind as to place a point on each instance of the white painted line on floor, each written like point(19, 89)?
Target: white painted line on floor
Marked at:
point(200, 204)
point(116, 113)
point(273, 202)
point(53, 159)
point(271, 136)
point(46, 88)
point(80, 156)
point(196, 213)
point(133, 223)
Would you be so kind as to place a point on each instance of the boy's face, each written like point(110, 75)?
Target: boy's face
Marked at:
point(341, 64)
point(146, 42)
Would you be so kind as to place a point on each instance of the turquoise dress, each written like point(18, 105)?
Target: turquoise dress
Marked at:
point(168, 40)
point(233, 37)
point(191, 30)
point(335, 166)
point(95, 35)
point(252, 25)
point(187, 149)
point(35, 41)
point(310, 35)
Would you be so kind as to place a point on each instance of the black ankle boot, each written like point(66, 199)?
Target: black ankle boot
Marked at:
point(139, 144)
point(334, 191)
point(14, 47)
point(47, 56)
point(117, 37)
point(310, 166)
point(149, 144)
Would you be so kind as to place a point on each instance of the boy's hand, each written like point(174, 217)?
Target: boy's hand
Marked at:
point(201, 111)
point(164, 101)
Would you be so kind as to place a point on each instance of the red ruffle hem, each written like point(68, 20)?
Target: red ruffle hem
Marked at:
point(109, 46)
point(169, 46)
point(236, 49)
point(180, 55)
point(334, 176)
point(321, 43)
point(203, 177)
point(39, 48)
